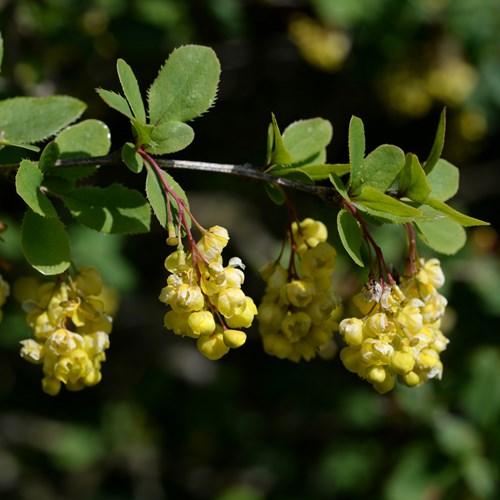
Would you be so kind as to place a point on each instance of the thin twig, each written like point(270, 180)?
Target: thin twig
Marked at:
point(247, 171)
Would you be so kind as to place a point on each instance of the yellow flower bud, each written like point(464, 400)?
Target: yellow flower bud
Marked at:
point(376, 374)
point(245, 318)
point(385, 386)
point(201, 323)
point(402, 362)
point(411, 379)
point(234, 338)
point(271, 316)
point(308, 233)
point(32, 351)
point(213, 346)
point(51, 386)
point(318, 260)
point(231, 301)
point(213, 242)
point(352, 331)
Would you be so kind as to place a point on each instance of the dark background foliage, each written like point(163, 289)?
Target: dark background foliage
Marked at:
point(165, 422)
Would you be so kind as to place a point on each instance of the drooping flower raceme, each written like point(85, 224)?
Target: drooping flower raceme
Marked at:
point(4, 293)
point(205, 297)
point(299, 310)
point(71, 332)
point(399, 336)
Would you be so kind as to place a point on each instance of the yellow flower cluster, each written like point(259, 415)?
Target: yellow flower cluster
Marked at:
point(206, 298)
point(4, 293)
point(71, 332)
point(400, 334)
point(299, 310)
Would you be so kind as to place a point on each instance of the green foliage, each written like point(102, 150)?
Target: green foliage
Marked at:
point(437, 147)
point(186, 85)
point(132, 158)
point(45, 243)
point(350, 235)
point(356, 151)
point(413, 182)
point(85, 139)
point(157, 197)
point(27, 120)
point(443, 180)
point(113, 209)
point(28, 185)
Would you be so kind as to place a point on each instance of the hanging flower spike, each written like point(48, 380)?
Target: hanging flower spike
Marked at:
point(71, 332)
point(4, 293)
point(205, 298)
point(399, 336)
point(299, 310)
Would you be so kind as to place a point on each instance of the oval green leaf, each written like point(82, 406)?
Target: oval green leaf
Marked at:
point(442, 235)
point(169, 137)
point(186, 85)
point(443, 180)
point(350, 235)
point(87, 138)
point(113, 209)
point(29, 180)
point(132, 159)
point(306, 138)
point(45, 243)
point(33, 119)
point(131, 89)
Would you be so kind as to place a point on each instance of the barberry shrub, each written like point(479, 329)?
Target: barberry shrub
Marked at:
point(395, 333)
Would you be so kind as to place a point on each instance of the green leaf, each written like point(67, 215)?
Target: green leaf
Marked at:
point(33, 119)
point(155, 192)
point(296, 175)
point(279, 154)
point(169, 137)
point(339, 186)
point(113, 209)
point(29, 147)
point(275, 193)
point(29, 180)
point(356, 151)
point(85, 139)
point(132, 158)
point(453, 214)
point(115, 101)
point(381, 167)
point(381, 205)
point(412, 180)
point(443, 180)
point(437, 147)
point(131, 89)
point(45, 243)
point(442, 235)
point(350, 235)
point(49, 156)
point(306, 138)
point(186, 85)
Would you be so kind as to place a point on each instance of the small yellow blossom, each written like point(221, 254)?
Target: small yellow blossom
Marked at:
point(399, 335)
point(71, 332)
point(299, 311)
point(205, 298)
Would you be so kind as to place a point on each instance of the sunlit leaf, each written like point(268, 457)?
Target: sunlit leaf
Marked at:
point(381, 167)
point(84, 139)
point(131, 90)
point(115, 101)
point(437, 147)
point(45, 243)
point(356, 151)
point(33, 119)
point(443, 180)
point(306, 138)
point(412, 180)
point(350, 235)
point(442, 235)
point(132, 158)
point(453, 214)
point(186, 85)
point(29, 180)
point(169, 137)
